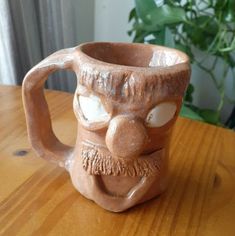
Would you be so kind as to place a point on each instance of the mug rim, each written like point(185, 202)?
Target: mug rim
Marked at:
point(185, 64)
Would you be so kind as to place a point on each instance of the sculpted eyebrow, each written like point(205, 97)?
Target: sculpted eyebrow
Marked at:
point(130, 86)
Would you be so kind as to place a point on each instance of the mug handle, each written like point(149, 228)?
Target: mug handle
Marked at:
point(41, 135)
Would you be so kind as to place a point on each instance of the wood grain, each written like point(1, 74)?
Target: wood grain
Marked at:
point(37, 198)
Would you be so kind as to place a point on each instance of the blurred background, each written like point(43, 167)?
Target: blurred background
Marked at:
point(30, 30)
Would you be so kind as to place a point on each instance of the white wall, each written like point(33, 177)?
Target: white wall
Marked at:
point(111, 20)
point(83, 19)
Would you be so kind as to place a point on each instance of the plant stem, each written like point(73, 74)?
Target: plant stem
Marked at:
point(221, 103)
point(221, 88)
point(214, 63)
point(209, 72)
point(233, 75)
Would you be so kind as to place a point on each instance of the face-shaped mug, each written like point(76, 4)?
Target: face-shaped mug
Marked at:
point(127, 100)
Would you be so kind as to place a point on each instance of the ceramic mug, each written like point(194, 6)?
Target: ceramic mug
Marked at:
point(127, 100)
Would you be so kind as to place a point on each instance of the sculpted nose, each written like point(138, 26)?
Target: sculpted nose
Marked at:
point(125, 136)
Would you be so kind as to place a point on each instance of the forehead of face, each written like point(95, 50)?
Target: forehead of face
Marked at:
point(123, 86)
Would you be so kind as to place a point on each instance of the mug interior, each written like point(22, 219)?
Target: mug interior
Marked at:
point(137, 55)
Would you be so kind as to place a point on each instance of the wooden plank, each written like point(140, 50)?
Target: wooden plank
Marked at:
point(37, 198)
point(220, 212)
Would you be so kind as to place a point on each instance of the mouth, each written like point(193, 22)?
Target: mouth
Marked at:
point(98, 160)
point(149, 154)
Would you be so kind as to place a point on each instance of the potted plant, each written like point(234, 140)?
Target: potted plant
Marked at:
point(207, 26)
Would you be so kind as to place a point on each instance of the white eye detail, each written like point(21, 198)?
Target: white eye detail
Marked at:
point(161, 114)
point(92, 109)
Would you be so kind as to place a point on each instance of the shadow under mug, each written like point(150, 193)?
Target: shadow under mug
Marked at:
point(127, 100)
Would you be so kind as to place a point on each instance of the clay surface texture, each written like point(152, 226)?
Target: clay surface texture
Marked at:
point(127, 100)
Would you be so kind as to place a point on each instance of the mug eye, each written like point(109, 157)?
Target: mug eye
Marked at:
point(161, 114)
point(93, 109)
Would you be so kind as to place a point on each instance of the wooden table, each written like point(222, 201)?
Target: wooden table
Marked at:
point(37, 198)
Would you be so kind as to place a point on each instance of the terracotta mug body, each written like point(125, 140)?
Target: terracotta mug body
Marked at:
point(127, 100)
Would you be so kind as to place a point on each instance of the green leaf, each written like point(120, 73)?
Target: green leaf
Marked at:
point(149, 13)
point(210, 116)
point(143, 7)
point(201, 31)
point(139, 36)
point(132, 15)
point(129, 32)
point(160, 37)
point(231, 120)
point(181, 47)
point(189, 94)
point(220, 4)
point(163, 37)
point(231, 11)
point(227, 8)
point(189, 113)
point(166, 15)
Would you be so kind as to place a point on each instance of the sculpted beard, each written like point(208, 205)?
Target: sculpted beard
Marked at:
point(98, 163)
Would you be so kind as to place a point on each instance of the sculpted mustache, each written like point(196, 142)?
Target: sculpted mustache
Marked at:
point(97, 163)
